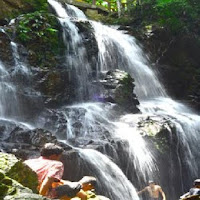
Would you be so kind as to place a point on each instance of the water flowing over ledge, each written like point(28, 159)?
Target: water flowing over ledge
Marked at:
point(121, 153)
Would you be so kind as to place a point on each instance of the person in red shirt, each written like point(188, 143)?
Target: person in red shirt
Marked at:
point(50, 170)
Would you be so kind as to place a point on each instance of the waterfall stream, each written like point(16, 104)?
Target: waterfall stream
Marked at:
point(87, 120)
point(118, 50)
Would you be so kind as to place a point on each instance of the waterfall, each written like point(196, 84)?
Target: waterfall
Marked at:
point(8, 97)
point(89, 125)
point(85, 121)
point(122, 52)
point(110, 177)
point(19, 67)
point(12, 88)
point(118, 50)
point(76, 57)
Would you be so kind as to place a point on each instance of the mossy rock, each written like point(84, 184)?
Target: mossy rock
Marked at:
point(17, 170)
point(158, 130)
point(39, 33)
point(18, 191)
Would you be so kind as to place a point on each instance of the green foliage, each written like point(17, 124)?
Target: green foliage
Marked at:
point(176, 15)
point(36, 26)
point(125, 90)
point(38, 31)
point(173, 13)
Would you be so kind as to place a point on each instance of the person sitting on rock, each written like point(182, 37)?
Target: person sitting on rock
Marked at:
point(50, 170)
point(154, 191)
point(194, 192)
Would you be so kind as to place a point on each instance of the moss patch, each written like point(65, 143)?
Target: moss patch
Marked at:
point(13, 168)
point(38, 32)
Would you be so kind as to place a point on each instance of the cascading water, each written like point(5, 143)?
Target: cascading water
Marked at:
point(93, 117)
point(75, 50)
point(88, 123)
point(10, 105)
point(123, 51)
point(109, 175)
point(19, 67)
point(119, 50)
point(8, 94)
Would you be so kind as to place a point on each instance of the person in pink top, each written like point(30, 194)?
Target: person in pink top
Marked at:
point(50, 170)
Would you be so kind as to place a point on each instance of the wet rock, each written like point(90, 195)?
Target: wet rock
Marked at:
point(17, 181)
point(6, 50)
point(118, 88)
point(13, 168)
point(56, 86)
point(177, 59)
point(87, 33)
point(25, 143)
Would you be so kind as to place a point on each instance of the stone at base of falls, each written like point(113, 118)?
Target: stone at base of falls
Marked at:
point(158, 132)
point(17, 181)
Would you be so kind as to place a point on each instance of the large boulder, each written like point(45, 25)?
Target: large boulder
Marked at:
point(6, 50)
point(17, 181)
point(25, 143)
point(118, 87)
point(15, 169)
point(156, 130)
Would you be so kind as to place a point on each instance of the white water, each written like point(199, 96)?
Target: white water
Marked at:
point(97, 123)
point(116, 50)
point(110, 176)
point(151, 94)
point(94, 116)
point(10, 102)
point(119, 50)
point(19, 67)
point(8, 96)
point(76, 57)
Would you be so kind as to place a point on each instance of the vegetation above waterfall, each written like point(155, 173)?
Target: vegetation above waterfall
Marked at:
point(176, 15)
point(39, 29)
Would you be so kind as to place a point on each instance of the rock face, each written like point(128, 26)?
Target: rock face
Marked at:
point(17, 181)
point(16, 170)
point(178, 63)
point(118, 87)
point(6, 51)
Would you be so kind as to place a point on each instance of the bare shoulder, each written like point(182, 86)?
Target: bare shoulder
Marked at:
point(158, 187)
point(147, 188)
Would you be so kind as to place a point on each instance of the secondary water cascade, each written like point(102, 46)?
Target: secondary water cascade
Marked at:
point(125, 162)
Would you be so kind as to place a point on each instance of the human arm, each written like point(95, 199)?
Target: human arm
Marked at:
point(54, 174)
point(162, 193)
point(46, 185)
point(141, 191)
